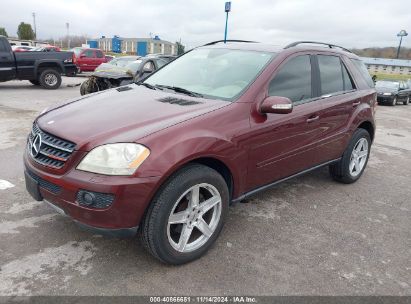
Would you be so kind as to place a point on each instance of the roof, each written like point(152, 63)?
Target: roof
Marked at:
point(385, 61)
point(265, 47)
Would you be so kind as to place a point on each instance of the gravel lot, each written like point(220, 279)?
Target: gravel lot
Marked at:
point(308, 236)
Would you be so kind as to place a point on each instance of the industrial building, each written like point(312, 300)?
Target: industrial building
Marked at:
point(134, 46)
point(388, 66)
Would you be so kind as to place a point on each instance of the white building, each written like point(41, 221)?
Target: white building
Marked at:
point(387, 66)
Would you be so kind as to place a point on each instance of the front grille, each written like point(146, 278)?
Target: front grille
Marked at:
point(96, 200)
point(45, 184)
point(49, 150)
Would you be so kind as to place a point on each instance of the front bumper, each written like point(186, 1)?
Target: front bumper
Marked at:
point(131, 198)
point(385, 98)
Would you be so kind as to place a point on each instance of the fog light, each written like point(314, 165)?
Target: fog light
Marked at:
point(94, 200)
point(88, 198)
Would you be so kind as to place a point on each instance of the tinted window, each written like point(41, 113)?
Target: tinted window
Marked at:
point(348, 84)
point(3, 46)
point(99, 54)
point(364, 72)
point(293, 80)
point(330, 74)
point(89, 53)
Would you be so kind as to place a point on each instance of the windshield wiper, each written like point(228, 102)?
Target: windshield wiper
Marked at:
point(180, 90)
point(147, 85)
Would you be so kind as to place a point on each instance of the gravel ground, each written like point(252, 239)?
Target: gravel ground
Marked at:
point(307, 236)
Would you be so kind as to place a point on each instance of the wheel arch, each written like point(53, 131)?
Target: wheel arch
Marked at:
point(369, 127)
point(43, 65)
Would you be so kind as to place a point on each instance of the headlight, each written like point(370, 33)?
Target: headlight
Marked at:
point(387, 94)
point(115, 159)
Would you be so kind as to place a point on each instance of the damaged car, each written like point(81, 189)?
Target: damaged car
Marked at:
point(121, 71)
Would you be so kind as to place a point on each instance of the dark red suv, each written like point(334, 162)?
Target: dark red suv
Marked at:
point(165, 157)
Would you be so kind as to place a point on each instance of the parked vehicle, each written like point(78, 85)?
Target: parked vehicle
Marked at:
point(109, 58)
point(120, 71)
point(87, 59)
point(164, 158)
point(391, 92)
point(22, 48)
point(39, 68)
point(47, 48)
point(168, 58)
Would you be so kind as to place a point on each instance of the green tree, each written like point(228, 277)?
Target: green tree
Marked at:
point(25, 32)
point(180, 48)
point(3, 32)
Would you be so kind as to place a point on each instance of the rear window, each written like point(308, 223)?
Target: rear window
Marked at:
point(3, 47)
point(333, 74)
point(364, 72)
point(99, 54)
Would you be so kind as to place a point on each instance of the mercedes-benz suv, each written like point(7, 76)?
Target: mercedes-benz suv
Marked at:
point(164, 158)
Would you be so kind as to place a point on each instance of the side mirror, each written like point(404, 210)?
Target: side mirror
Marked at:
point(277, 105)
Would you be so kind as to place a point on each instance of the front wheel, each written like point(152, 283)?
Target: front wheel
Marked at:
point(407, 101)
point(394, 101)
point(354, 160)
point(187, 215)
point(50, 79)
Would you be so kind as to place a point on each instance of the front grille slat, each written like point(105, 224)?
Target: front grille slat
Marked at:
point(54, 151)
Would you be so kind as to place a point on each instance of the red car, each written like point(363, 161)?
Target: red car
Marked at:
point(165, 157)
point(47, 48)
point(87, 59)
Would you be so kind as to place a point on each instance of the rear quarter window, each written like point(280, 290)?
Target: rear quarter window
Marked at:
point(364, 72)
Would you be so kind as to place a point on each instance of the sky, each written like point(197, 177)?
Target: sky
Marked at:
point(350, 23)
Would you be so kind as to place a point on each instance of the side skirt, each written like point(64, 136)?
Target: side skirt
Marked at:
point(265, 187)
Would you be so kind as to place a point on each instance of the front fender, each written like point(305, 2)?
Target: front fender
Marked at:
point(168, 156)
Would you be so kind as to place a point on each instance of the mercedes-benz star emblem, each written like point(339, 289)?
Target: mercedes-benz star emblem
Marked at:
point(36, 145)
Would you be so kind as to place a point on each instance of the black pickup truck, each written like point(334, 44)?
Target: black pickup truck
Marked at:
point(40, 68)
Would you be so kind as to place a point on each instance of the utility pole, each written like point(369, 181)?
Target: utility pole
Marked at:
point(68, 34)
point(34, 25)
point(227, 9)
point(401, 34)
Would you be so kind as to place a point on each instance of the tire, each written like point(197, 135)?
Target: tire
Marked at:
point(50, 79)
point(35, 82)
point(164, 239)
point(341, 170)
point(394, 101)
point(83, 88)
point(407, 101)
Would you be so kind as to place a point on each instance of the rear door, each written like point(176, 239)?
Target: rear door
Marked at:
point(7, 64)
point(340, 99)
point(284, 144)
point(87, 60)
point(100, 58)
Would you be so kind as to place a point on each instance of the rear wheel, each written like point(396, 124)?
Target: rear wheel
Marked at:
point(35, 82)
point(187, 215)
point(407, 101)
point(354, 160)
point(50, 79)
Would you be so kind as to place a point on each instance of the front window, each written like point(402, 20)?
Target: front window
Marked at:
point(214, 73)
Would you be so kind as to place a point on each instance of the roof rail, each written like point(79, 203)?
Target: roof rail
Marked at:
point(218, 41)
point(314, 42)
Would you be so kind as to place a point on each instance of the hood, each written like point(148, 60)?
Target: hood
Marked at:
point(106, 70)
point(124, 114)
point(385, 90)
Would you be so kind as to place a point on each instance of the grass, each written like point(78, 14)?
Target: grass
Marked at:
point(381, 76)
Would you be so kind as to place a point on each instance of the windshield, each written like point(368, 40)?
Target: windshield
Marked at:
point(215, 73)
point(387, 84)
point(133, 66)
point(122, 62)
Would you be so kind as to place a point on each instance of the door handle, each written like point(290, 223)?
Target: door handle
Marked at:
point(313, 118)
point(356, 103)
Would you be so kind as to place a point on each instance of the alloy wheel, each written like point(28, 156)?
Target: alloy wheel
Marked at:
point(194, 218)
point(50, 79)
point(358, 157)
